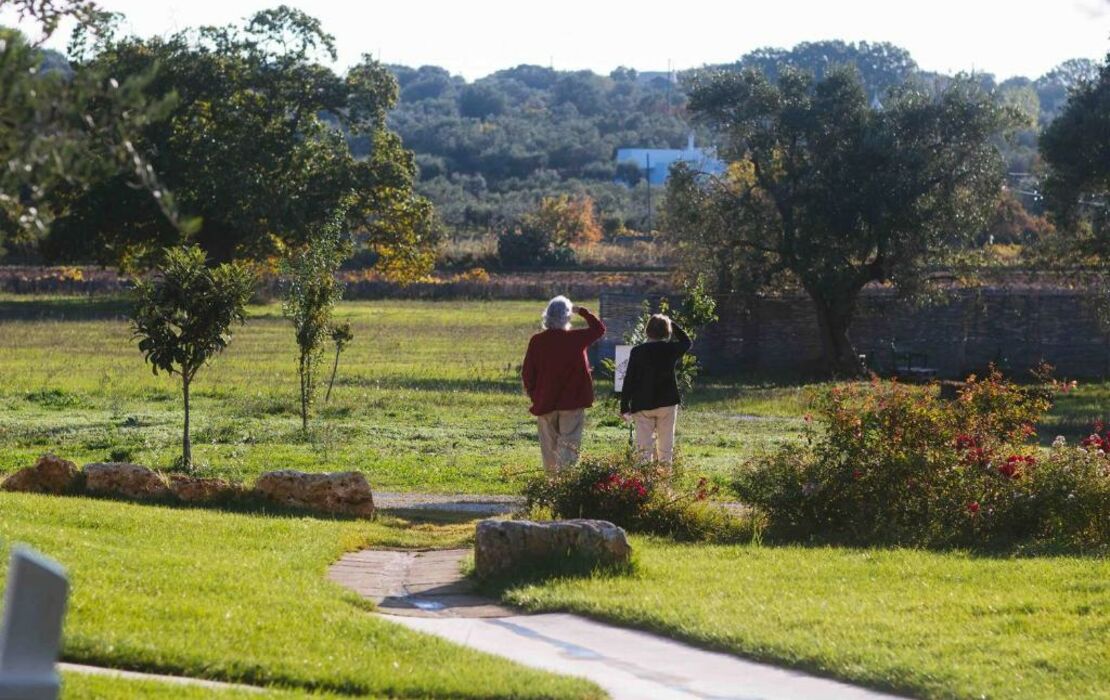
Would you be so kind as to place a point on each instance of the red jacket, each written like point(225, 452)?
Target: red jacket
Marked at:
point(556, 372)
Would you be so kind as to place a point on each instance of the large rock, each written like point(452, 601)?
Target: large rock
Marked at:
point(340, 493)
point(196, 489)
point(502, 545)
point(49, 474)
point(125, 480)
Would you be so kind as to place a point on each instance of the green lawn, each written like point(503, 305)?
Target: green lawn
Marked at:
point(78, 686)
point(428, 398)
point(937, 625)
point(243, 598)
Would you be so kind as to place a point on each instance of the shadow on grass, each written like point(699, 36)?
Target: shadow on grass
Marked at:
point(89, 308)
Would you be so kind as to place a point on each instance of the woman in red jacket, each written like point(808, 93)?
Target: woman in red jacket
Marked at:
point(556, 375)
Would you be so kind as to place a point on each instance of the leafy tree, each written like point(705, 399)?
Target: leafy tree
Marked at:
point(255, 147)
point(480, 101)
point(1076, 147)
point(1054, 87)
point(311, 293)
point(570, 220)
point(183, 316)
point(47, 133)
point(827, 193)
point(881, 65)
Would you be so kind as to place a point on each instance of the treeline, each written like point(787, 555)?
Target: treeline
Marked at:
point(489, 150)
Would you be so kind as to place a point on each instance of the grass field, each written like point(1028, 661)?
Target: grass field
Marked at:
point(428, 398)
point(243, 598)
point(934, 625)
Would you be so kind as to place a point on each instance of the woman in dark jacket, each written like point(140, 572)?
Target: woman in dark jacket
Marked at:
point(649, 396)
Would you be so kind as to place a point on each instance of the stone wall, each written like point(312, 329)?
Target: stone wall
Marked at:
point(1015, 328)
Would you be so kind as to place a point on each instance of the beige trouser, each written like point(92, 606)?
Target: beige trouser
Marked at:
point(560, 437)
point(661, 422)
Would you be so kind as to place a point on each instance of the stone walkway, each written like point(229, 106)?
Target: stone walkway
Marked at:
point(426, 591)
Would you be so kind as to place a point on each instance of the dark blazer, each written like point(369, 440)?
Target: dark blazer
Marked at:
point(649, 381)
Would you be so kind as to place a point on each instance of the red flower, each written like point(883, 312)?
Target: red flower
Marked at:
point(964, 442)
point(973, 507)
point(1009, 470)
point(856, 473)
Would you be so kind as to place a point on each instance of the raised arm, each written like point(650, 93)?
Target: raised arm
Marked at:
point(594, 330)
point(682, 340)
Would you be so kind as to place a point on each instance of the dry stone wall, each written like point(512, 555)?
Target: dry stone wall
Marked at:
point(1015, 328)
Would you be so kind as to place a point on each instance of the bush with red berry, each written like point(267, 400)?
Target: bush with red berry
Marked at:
point(896, 464)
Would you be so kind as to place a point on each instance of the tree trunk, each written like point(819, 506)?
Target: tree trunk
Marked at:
point(302, 369)
point(186, 442)
point(331, 381)
point(833, 320)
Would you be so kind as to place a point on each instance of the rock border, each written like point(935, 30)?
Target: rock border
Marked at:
point(325, 493)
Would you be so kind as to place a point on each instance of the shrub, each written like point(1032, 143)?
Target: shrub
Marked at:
point(638, 497)
point(528, 245)
point(899, 465)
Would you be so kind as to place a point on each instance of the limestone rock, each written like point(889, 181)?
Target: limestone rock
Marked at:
point(501, 545)
point(195, 489)
point(340, 493)
point(125, 480)
point(49, 474)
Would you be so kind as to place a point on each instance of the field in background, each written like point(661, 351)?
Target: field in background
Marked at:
point(427, 398)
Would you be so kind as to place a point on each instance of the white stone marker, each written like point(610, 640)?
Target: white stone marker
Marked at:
point(31, 631)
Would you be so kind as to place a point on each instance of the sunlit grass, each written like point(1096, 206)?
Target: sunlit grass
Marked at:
point(243, 598)
point(427, 398)
point(936, 625)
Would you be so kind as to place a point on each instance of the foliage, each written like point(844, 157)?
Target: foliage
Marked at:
point(636, 496)
point(183, 317)
point(899, 465)
point(310, 295)
point(1076, 147)
point(828, 193)
point(528, 244)
point(1012, 223)
point(698, 309)
point(571, 221)
point(47, 133)
point(255, 145)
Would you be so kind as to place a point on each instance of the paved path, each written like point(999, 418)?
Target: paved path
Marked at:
point(477, 504)
point(427, 592)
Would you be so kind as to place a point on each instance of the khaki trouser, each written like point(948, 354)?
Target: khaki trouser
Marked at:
point(560, 437)
point(661, 422)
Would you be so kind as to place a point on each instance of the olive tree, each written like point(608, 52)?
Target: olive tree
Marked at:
point(183, 316)
point(826, 192)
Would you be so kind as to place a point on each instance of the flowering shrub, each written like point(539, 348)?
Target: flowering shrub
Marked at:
point(899, 465)
point(638, 497)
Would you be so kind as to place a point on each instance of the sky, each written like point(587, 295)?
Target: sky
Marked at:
point(476, 37)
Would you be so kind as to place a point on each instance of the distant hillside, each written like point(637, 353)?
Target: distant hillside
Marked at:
point(489, 149)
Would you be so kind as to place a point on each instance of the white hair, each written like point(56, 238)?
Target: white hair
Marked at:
point(557, 313)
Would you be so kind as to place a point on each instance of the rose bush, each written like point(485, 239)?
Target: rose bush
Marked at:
point(899, 465)
point(638, 497)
